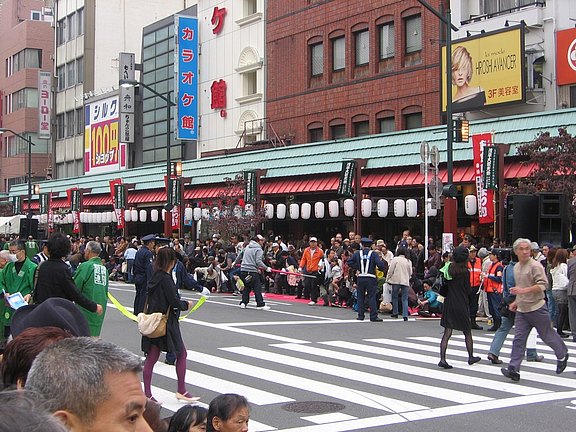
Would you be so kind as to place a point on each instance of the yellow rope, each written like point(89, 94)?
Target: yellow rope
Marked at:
point(133, 317)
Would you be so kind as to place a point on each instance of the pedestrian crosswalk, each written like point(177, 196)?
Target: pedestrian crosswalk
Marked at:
point(377, 381)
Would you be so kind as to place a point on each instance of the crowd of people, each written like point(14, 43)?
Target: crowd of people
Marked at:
point(65, 281)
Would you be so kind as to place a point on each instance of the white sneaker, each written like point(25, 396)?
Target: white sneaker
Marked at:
point(242, 306)
point(265, 307)
point(312, 303)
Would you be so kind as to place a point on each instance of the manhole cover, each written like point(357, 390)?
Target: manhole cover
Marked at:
point(313, 407)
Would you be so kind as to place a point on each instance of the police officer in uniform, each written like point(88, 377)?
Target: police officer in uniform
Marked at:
point(142, 270)
point(365, 261)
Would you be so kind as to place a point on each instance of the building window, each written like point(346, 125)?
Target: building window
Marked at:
point(24, 98)
point(361, 128)
point(488, 7)
point(338, 53)
point(80, 22)
point(338, 131)
point(80, 70)
point(71, 25)
point(362, 47)
point(315, 134)
point(70, 123)
point(61, 126)
point(386, 41)
point(70, 74)
point(573, 97)
point(80, 121)
point(36, 15)
point(250, 7)
point(250, 83)
point(317, 59)
point(27, 58)
point(413, 29)
point(61, 32)
point(413, 120)
point(386, 124)
point(61, 75)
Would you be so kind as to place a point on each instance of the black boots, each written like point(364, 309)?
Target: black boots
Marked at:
point(496, 325)
point(476, 326)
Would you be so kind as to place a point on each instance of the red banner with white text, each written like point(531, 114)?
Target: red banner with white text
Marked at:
point(485, 196)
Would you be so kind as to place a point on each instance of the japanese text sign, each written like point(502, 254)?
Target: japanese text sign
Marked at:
point(485, 196)
point(186, 71)
point(346, 178)
point(566, 56)
point(44, 103)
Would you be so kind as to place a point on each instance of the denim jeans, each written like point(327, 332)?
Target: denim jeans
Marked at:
point(552, 308)
point(395, 290)
point(500, 335)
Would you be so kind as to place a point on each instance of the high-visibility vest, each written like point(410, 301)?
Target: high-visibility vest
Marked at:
point(365, 264)
point(475, 271)
point(491, 286)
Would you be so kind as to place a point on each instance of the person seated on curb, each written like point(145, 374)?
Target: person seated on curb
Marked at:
point(429, 305)
point(96, 386)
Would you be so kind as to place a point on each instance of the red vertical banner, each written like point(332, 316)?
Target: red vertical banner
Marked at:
point(175, 213)
point(76, 222)
point(485, 196)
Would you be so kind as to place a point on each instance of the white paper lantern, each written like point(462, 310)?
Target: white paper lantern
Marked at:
point(348, 207)
point(197, 213)
point(154, 215)
point(188, 213)
point(269, 211)
point(399, 208)
point(294, 211)
point(134, 215)
point(164, 214)
point(205, 214)
point(109, 216)
point(114, 217)
point(431, 212)
point(281, 211)
point(70, 218)
point(82, 217)
point(333, 208)
point(470, 205)
point(306, 210)
point(249, 210)
point(44, 219)
point(366, 207)
point(319, 210)
point(143, 215)
point(382, 208)
point(97, 217)
point(127, 215)
point(411, 208)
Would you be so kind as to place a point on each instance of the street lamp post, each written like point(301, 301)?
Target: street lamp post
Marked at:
point(30, 144)
point(450, 205)
point(169, 104)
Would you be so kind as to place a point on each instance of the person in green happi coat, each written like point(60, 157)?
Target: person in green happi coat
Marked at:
point(16, 276)
point(91, 279)
point(31, 247)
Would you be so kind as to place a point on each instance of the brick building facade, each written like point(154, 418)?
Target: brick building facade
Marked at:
point(340, 68)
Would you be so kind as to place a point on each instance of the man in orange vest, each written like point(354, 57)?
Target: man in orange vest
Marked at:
point(475, 269)
point(310, 265)
point(492, 284)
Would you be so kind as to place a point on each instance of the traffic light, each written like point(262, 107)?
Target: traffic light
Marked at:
point(461, 131)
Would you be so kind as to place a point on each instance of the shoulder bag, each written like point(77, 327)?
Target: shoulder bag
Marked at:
point(152, 325)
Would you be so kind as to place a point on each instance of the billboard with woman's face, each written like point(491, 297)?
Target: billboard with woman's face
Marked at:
point(487, 70)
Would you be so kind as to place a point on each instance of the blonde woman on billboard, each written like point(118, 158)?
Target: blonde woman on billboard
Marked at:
point(466, 97)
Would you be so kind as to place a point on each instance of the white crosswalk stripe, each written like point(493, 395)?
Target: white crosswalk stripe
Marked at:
point(390, 368)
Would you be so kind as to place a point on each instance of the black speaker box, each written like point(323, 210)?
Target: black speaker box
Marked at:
point(522, 220)
point(28, 227)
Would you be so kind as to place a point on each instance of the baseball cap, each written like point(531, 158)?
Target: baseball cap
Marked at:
point(274, 244)
point(260, 237)
point(472, 248)
point(534, 246)
point(380, 242)
point(313, 239)
point(53, 312)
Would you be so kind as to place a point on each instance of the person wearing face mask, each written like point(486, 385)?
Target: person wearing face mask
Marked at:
point(17, 276)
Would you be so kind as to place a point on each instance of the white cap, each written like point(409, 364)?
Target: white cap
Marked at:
point(260, 237)
point(274, 244)
point(313, 239)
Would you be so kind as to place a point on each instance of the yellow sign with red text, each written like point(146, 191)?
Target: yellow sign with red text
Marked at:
point(487, 70)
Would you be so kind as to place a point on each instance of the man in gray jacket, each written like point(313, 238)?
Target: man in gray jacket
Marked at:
point(251, 263)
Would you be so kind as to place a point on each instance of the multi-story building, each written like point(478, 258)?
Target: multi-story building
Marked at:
point(341, 69)
point(89, 36)
point(26, 47)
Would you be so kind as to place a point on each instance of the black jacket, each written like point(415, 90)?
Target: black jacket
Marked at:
point(54, 280)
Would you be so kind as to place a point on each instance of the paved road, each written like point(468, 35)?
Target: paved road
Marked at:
point(317, 369)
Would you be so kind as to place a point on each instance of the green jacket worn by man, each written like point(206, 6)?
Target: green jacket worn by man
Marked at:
point(91, 279)
point(15, 277)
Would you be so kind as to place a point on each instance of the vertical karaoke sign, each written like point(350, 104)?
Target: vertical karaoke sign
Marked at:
point(186, 77)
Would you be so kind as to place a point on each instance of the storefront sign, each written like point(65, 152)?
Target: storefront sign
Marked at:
point(566, 56)
point(186, 71)
point(490, 167)
point(487, 70)
point(250, 187)
point(44, 103)
point(17, 205)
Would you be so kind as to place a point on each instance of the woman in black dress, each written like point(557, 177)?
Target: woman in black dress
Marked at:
point(162, 296)
point(455, 314)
